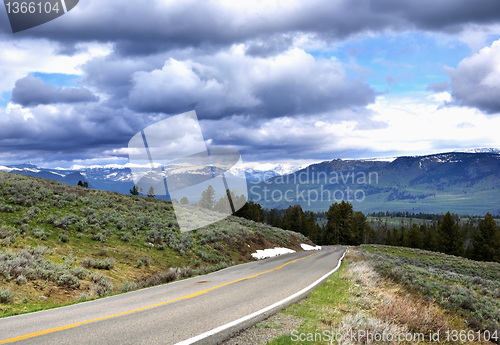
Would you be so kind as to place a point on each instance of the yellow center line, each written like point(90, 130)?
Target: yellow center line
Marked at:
point(57, 329)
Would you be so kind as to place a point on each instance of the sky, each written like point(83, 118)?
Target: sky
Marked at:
point(290, 82)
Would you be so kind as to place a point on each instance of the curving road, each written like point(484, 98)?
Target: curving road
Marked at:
point(202, 310)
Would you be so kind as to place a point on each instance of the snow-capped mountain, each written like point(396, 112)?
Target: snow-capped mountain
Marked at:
point(264, 172)
point(479, 150)
point(114, 177)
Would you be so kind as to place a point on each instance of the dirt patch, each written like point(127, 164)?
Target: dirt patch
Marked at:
point(266, 330)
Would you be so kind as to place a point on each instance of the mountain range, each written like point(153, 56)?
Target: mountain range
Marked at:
point(119, 178)
point(461, 182)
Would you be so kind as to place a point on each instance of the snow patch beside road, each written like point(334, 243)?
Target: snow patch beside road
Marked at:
point(308, 247)
point(269, 253)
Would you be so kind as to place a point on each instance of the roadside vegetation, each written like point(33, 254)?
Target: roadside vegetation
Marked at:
point(463, 287)
point(61, 244)
point(383, 289)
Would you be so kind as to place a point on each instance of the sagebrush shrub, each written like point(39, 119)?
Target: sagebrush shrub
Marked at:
point(6, 296)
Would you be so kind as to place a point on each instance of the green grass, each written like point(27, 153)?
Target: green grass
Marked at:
point(320, 309)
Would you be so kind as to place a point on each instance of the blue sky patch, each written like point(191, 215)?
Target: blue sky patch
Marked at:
point(399, 63)
point(59, 79)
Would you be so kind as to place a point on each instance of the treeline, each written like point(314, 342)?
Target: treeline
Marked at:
point(475, 240)
point(343, 225)
point(421, 215)
point(481, 242)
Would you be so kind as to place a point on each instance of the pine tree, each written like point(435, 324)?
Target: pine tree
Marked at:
point(339, 225)
point(151, 192)
point(184, 201)
point(430, 239)
point(414, 237)
point(134, 190)
point(450, 240)
point(207, 198)
point(313, 227)
point(85, 184)
point(298, 220)
point(361, 229)
point(271, 217)
point(80, 184)
point(388, 236)
point(487, 241)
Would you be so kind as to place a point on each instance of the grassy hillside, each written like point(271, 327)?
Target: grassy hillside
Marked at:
point(467, 288)
point(61, 244)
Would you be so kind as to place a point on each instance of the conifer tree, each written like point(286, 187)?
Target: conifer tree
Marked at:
point(430, 238)
point(414, 237)
point(151, 192)
point(207, 198)
point(487, 241)
point(450, 240)
point(339, 225)
point(134, 190)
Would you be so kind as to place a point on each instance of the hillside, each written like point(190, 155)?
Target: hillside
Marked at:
point(464, 183)
point(62, 244)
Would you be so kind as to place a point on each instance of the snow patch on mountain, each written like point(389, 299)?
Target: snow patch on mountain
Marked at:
point(262, 172)
point(479, 150)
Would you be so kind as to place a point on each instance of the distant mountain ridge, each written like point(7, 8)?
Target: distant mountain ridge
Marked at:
point(118, 178)
point(465, 183)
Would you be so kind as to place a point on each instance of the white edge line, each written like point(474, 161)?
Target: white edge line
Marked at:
point(250, 316)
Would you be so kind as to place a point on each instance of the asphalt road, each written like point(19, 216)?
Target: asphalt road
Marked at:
point(178, 311)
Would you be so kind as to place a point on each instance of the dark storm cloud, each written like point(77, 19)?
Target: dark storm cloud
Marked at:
point(89, 131)
point(171, 57)
point(476, 81)
point(438, 87)
point(145, 27)
point(32, 91)
point(269, 46)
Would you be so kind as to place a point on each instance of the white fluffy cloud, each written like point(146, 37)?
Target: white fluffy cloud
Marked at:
point(413, 124)
point(476, 80)
point(233, 83)
point(21, 57)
